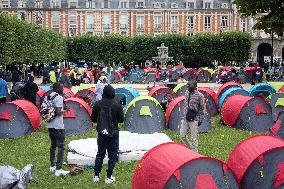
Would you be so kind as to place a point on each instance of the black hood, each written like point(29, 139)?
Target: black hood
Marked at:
point(108, 92)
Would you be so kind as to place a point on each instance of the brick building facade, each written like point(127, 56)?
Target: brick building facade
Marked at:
point(137, 17)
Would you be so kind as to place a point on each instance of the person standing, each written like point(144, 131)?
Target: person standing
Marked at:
point(3, 89)
point(194, 116)
point(57, 131)
point(100, 87)
point(30, 90)
point(64, 80)
point(107, 113)
point(96, 72)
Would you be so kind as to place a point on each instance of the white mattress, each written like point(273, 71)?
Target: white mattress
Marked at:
point(132, 146)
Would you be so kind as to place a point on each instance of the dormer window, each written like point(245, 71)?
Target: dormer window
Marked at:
point(157, 5)
point(123, 4)
point(73, 4)
point(207, 5)
point(21, 4)
point(190, 5)
point(55, 4)
point(174, 5)
point(140, 4)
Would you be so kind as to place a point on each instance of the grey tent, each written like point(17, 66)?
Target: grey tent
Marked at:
point(116, 77)
point(18, 118)
point(278, 127)
point(144, 114)
point(181, 89)
point(67, 93)
point(247, 113)
point(277, 108)
point(150, 77)
point(134, 77)
point(258, 162)
point(203, 75)
point(174, 166)
point(175, 114)
point(88, 95)
point(189, 74)
point(78, 119)
point(159, 92)
point(210, 100)
point(230, 92)
point(264, 89)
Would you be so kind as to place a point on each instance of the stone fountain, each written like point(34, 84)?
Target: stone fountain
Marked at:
point(163, 56)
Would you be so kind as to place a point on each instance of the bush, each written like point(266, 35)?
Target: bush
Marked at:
point(196, 51)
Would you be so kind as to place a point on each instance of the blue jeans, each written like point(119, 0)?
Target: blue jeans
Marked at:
point(111, 145)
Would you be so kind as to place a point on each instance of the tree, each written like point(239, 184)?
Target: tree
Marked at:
point(269, 13)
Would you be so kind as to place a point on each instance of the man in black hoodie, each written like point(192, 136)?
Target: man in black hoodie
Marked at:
point(107, 113)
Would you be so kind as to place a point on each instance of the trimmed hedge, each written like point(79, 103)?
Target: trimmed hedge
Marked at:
point(194, 51)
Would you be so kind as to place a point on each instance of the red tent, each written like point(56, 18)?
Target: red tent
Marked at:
point(180, 67)
point(176, 102)
point(211, 99)
point(248, 113)
point(281, 89)
point(253, 153)
point(172, 165)
point(226, 86)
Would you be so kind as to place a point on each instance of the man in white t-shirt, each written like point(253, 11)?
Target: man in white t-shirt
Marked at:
point(57, 131)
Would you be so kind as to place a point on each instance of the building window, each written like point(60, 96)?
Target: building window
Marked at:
point(72, 31)
point(157, 22)
point(243, 24)
point(56, 18)
point(190, 22)
point(106, 4)
point(21, 4)
point(190, 5)
point(123, 21)
point(252, 20)
point(224, 22)
point(90, 23)
point(174, 22)
point(55, 4)
point(90, 4)
point(140, 22)
point(207, 22)
point(106, 21)
point(123, 5)
point(73, 18)
point(73, 4)
point(5, 4)
point(124, 33)
point(140, 4)
point(190, 34)
point(21, 15)
point(207, 5)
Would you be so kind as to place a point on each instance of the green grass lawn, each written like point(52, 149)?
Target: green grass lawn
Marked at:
point(34, 149)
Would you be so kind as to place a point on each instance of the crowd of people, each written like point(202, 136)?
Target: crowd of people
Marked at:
point(106, 112)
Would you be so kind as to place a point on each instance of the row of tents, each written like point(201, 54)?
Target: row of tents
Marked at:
point(144, 114)
point(256, 162)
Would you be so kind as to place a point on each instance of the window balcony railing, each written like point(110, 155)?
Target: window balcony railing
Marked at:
point(123, 26)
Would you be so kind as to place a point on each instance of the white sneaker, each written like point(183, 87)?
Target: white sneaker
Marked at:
point(96, 179)
point(61, 172)
point(109, 180)
point(52, 169)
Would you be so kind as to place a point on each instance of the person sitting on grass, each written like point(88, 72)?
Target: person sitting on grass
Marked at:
point(57, 131)
point(107, 113)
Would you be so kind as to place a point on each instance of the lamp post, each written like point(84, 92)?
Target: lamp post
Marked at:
point(272, 45)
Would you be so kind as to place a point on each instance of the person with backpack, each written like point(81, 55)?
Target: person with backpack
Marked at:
point(52, 110)
point(107, 113)
point(193, 117)
point(100, 87)
point(3, 89)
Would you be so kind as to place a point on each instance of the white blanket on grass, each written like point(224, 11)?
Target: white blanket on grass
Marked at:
point(128, 143)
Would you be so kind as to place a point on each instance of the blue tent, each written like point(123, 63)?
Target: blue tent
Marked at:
point(262, 88)
point(125, 95)
point(230, 92)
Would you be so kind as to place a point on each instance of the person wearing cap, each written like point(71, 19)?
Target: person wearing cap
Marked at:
point(100, 87)
point(64, 80)
point(195, 104)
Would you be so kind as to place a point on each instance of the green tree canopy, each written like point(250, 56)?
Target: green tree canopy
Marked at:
point(270, 14)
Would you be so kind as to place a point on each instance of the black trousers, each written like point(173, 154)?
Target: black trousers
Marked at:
point(111, 145)
point(3, 100)
point(57, 138)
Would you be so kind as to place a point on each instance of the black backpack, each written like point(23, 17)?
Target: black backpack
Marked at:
point(105, 124)
point(191, 113)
